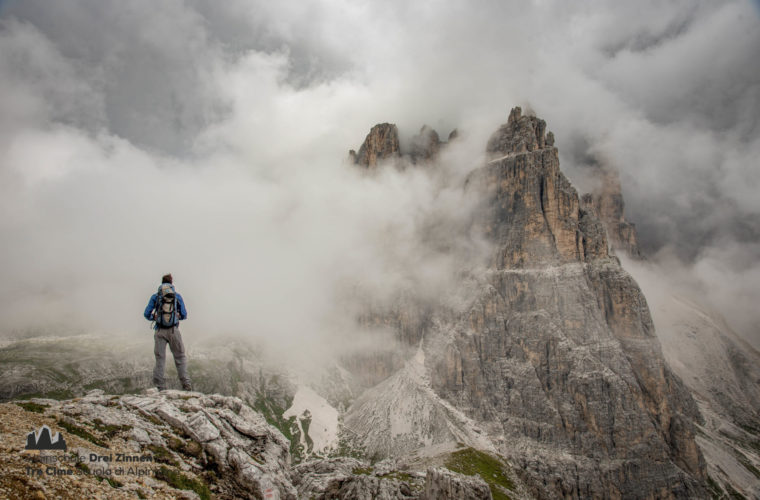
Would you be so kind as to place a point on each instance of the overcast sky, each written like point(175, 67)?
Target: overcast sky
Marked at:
point(209, 139)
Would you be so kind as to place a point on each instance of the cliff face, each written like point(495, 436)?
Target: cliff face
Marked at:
point(716, 365)
point(530, 210)
point(556, 358)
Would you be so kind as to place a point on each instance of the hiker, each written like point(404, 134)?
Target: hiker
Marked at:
point(167, 308)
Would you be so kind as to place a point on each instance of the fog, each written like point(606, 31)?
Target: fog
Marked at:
point(210, 139)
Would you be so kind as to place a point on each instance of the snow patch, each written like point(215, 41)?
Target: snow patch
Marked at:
point(323, 429)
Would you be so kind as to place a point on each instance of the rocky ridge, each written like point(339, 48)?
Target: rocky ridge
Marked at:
point(190, 445)
point(382, 143)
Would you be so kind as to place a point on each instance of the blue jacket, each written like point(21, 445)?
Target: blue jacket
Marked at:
point(150, 309)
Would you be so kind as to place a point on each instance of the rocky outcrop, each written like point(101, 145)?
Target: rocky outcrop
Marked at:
point(350, 478)
point(606, 202)
point(175, 444)
point(380, 144)
point(173, 441)
point(442, 483)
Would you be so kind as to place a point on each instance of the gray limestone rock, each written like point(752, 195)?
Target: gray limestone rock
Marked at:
point(348, 478)
point(442, 484)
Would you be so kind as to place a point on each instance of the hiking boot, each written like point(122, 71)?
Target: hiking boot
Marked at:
point(187, 387)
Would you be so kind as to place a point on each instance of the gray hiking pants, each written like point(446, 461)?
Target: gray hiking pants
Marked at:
point(172, 337)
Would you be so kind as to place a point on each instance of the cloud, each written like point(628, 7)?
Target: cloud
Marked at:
point(208, 139)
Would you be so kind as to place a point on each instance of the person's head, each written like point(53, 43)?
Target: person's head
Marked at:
point(166, 278)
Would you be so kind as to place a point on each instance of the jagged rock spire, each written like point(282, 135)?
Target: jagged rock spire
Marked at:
point(381, 143)
point(531, 211)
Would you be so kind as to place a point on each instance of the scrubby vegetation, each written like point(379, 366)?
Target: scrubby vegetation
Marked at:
point(82, 433)
point(33, 407)
point(161, 455)
point(182, 482)
point(472, 462)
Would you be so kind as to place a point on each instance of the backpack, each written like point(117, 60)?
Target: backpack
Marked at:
point(166, 306)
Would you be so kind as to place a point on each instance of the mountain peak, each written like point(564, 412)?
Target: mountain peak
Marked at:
point(529, 209)
point(381, 143)
point(520, 134)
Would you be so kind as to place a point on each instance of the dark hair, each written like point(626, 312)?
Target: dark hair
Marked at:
point(166, 278)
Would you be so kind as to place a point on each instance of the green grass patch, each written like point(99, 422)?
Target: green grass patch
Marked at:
point(182, 482)
point(399, 476)
point(162, 455)
point(83, 433)
point(33, 407)
point(109, 430)
point(152, 419)
point(472, 462)
point(189, 448)
point(366, 471)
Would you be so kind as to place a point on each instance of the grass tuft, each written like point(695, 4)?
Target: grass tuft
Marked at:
point(82, 433)
point(161, 455)
point(189, 448)
point(33, 407)
point(109, 430)
point(182, 482)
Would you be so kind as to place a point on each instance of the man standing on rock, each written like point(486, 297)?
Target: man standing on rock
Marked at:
point(167, 308)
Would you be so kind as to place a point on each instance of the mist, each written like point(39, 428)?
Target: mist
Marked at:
point(210, 140)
